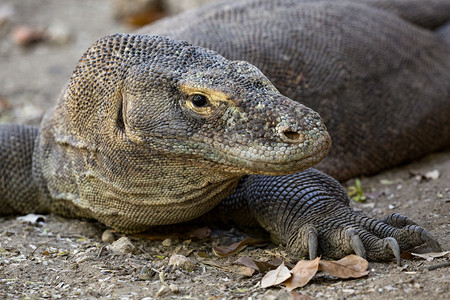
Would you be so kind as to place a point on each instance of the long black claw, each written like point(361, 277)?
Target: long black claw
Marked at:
point(313, 242)
point(357, 244)
point(392, 243)
point(430, 241)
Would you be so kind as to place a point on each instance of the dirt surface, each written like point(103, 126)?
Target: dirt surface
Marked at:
point(64, 258)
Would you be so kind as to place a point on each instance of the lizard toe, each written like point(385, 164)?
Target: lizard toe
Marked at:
point(303, 242)
point(357, 244)
point(383, 249)
point(397, 220)
point(411, 236)
point(406, 232)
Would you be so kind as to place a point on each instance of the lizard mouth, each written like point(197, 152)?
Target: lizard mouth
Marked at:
point(283, 158)
point(286, 164)
point(241, 159)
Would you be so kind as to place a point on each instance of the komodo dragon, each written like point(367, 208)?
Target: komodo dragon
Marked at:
point(152, 131)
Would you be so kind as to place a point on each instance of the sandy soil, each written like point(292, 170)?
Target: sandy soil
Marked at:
point(63, 258)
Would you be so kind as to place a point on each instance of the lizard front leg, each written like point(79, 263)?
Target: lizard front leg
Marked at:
point(309, 213)
point(21, 185)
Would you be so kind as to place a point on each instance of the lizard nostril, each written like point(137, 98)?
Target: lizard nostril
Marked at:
point(292, 135)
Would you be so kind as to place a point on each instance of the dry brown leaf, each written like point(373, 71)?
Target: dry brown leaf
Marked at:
point(223, 251)
point(406, 255)
point(277, 276)
point(302, 273)
point(243, 270)
point(260, 266)
point(432, 255)
point(351, 266)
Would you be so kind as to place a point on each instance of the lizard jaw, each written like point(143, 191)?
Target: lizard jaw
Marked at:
point(282, 162)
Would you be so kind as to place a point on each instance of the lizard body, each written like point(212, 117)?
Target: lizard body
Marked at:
point(152, 131)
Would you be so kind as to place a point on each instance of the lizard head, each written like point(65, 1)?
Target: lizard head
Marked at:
point(166, 97)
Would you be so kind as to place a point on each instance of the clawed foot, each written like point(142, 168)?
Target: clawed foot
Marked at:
point(344, 232)
point(309, 212)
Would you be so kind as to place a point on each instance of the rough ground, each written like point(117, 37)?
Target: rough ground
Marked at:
point(63, 258)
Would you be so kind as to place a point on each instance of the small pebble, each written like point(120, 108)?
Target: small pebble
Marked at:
point(122, 245)
point(167, 242)
point(182, 261)
point(162, 290)
point(58, 34)
point(32, 219)
point(108, 236)
point(174, 288)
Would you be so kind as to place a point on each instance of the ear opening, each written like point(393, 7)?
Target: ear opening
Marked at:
point(120, 117)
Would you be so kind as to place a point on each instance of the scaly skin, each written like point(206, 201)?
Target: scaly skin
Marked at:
point(380, 83)
point(127, 145)
point(153, 131)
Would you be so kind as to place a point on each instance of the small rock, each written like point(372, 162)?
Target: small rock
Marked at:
point(187, 242)
point(108, 236)
point(167, 242)
point(433, 175)
point(32, 219)
point(58, 34)
point(122, 245)
point(174, 288)
point(182, 261)
point(162, 290)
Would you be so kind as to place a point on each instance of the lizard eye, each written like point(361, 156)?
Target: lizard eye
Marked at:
point(205, 104)
point(199, 100)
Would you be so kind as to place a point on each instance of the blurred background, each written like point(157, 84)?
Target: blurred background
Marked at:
point(41, 41)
